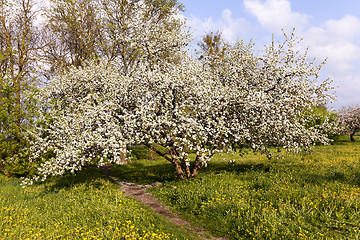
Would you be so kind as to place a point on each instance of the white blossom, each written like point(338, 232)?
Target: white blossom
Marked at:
point(242, 99)
point(349, 117)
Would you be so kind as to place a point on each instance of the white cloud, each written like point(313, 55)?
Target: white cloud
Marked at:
point(275, 15)
point(230, 28)
point(347, 28)
point(348, 91)
point(337, 41)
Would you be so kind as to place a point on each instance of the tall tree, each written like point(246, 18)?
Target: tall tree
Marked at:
point(119, 31)
point(19, 46)
point(135, 30)
point(212, 45)
point(73, 32)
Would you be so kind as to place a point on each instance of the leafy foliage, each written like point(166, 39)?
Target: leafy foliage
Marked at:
point(14, 139)
point(19, 47)
point(212, 45)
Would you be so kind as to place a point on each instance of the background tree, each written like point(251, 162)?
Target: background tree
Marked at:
point(112, 30)
point(212, 46)
point(73, 31)
point(350, 119)
point(19, 45)
point(128, 44)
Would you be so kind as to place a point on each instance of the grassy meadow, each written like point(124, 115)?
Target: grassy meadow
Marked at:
point(309, 195)
point(86, 206)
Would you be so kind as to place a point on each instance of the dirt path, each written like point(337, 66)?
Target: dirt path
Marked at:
point(139, 192)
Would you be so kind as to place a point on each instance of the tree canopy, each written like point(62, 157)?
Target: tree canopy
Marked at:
point(119, 73)
point(19, 53)
point(243, 100)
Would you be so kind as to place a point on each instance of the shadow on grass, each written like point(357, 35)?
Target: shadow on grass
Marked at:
point(143, 173)
point(147, 172)
point(319, 179)
point(331, 176)
point(236, 168)
point(345, 139)
point(140, 171)
point(87, 176)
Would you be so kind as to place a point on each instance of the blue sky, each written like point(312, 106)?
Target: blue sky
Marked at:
point(331, 29)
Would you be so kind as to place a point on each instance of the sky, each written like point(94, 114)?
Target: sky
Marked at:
point(331, 30)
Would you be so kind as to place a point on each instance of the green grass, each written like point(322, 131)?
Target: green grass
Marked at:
point(312, 195)
point(144, 171)
point(309, 195)
point(86, 206)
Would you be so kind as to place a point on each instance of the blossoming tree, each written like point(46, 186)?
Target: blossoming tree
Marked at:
point(242, 99)
point(350, 119)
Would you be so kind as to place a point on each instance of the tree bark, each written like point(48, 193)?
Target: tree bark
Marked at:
point(352, 134)
point(177, 165)
point(197, 166)
point(179, 170)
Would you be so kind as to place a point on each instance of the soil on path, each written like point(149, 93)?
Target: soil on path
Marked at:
point(138, 192)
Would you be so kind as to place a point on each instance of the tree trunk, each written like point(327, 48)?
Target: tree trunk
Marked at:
point(352, 134)
point(197, 166)
point(123, 158)
point(179, 170)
